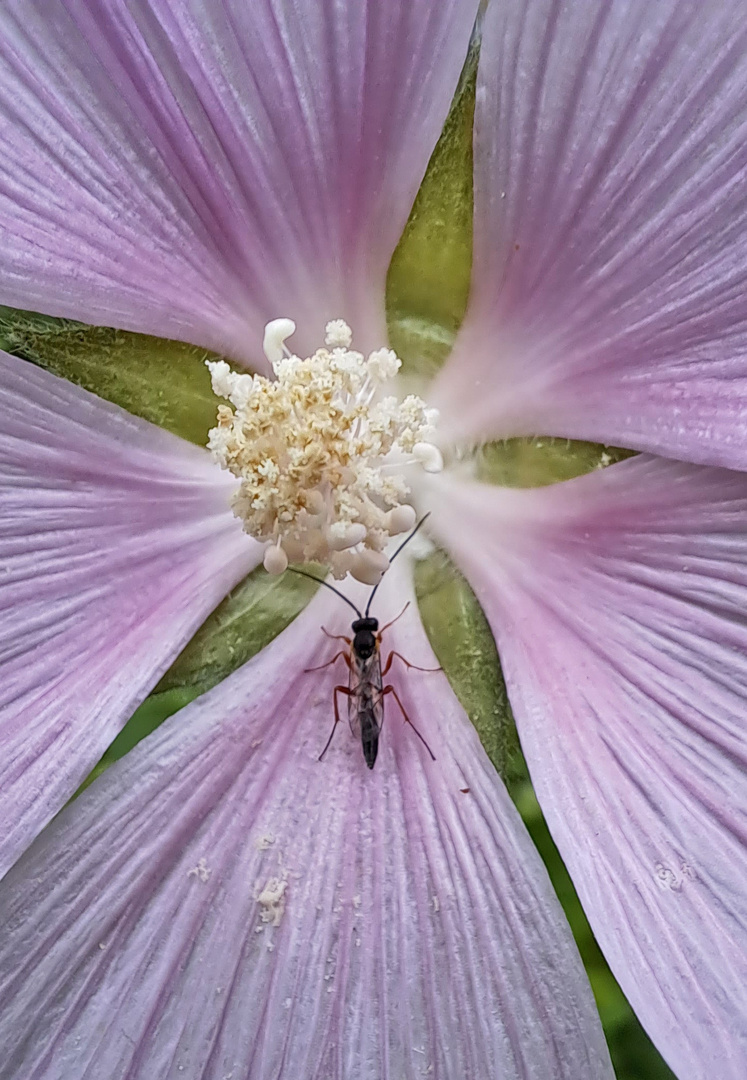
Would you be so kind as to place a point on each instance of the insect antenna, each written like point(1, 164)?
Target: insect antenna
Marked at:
point(327, 585)
point(394, 556)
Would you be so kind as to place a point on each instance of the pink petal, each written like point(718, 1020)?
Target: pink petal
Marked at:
point(618, 601)
point(116, 542)
point(417, 933)
point(194, 169)
point(610, 279)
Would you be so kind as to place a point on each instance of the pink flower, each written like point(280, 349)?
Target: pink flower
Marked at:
point(219, 903)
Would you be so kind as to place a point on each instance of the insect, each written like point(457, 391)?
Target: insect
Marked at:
point(366, 689)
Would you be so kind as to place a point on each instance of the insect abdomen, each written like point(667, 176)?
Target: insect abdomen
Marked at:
point(369, 736)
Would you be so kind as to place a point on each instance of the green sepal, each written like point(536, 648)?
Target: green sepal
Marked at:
point(463, 642)
point(537, 462)
point(429, 276)
point(163, 381)
point(146, 718)
point(249, 618)
point(254, 613)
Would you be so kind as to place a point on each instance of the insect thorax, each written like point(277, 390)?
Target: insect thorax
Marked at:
point(364, 642)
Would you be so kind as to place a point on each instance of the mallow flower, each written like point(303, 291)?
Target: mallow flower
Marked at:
point(221, 904)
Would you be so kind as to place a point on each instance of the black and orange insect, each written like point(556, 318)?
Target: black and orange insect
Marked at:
point(366, 689)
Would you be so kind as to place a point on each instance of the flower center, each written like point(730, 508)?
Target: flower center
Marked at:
point(321, 452)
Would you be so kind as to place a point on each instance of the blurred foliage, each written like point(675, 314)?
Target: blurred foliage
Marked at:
point(166, 382)
point(633, 1054)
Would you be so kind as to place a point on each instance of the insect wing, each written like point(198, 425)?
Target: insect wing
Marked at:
point(369, 700)
point(365, 704)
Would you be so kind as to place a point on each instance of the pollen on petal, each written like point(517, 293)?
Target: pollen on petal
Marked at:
point(272, 900)
point(322, 451)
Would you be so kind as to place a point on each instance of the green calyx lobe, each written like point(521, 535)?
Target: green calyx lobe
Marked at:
point(248, 619)
point(461, 639)
point(429, 276)
point(164, 382)
point(254, 613)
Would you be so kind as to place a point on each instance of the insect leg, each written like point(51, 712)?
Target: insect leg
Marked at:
point(404, 609)
point(342, 653)
point(337, 637)
point(390, 690)
point(338, 690)
point(414, 667)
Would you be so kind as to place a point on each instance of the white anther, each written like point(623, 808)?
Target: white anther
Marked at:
point(338, 335)
point(276, 332)
point(341, 536)
point(383, 364)
point(275, 560)
point(238, 388)
point(429, 457)
point(220, 377)
point(321, 452)
point(400, 519)
point(369, 567)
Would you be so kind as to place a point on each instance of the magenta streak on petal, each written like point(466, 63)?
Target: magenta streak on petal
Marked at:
point(194, 169)
point(619, 604)
point(116, 541)
point(417, 932)
point(609, 296)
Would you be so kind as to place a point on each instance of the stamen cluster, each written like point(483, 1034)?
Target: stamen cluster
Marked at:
point(320, 452)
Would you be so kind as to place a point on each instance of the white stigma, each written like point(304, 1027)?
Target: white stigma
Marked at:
point(274, 340)
point(320, 451)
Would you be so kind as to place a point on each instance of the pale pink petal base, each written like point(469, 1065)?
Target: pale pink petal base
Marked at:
point(619, 603)
point(220, 903)
point(193, 169)
point(609, 298)
point(116, 541)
